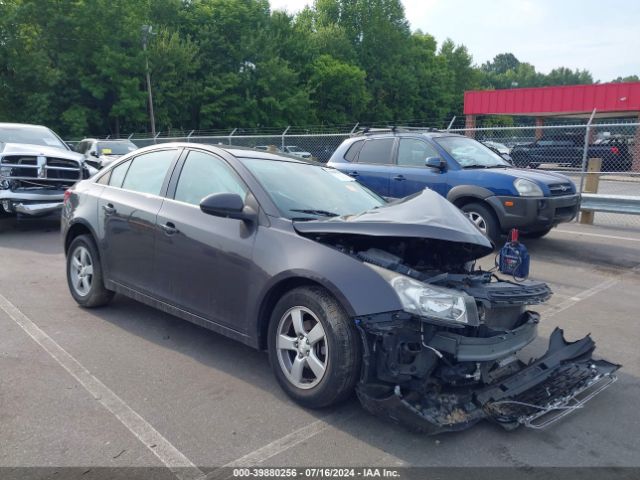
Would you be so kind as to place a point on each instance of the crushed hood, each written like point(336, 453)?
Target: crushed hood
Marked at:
point(423, 215)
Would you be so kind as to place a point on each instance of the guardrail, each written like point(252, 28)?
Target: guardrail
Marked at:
point(593, 202)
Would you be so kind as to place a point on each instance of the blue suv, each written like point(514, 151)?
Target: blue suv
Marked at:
point(496, 197)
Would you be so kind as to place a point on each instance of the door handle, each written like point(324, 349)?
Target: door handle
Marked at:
point(353, 174)
point(109, 209)
point(399, 177)
point(169, 228)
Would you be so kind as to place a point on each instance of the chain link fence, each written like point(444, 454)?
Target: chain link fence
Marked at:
point(563, 148)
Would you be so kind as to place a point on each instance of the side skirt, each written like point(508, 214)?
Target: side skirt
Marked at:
point(178, 312)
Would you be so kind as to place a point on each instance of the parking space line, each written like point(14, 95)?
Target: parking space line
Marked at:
point(169, 455)
point(589, 292)
point(282, 444)
point(598, 235)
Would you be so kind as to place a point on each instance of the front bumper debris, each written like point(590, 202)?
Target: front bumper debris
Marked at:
point(535, 396)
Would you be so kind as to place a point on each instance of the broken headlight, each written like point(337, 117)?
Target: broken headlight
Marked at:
point(437, 304)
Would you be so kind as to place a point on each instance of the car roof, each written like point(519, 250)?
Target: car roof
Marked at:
point(106, 140)
point(420, 133)
point(236, 151)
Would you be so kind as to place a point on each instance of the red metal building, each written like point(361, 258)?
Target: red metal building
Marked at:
point(610, 100)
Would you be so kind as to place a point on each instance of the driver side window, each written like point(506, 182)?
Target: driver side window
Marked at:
point(413, 152)
point(204, 174)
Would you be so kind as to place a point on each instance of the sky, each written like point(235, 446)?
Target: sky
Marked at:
point(602, 36)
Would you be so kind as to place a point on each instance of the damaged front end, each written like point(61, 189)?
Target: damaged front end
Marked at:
point(451, 362)
point(447, 358)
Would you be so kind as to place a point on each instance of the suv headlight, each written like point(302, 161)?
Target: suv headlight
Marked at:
point(436, 304)
point(527, 188)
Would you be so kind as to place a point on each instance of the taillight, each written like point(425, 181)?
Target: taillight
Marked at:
point(67, 195)
point(615, 150)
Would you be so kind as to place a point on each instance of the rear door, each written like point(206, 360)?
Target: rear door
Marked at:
point(411, 175)
point(374, 164)
point(127, 211)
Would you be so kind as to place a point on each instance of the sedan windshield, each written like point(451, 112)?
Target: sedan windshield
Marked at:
point(31, 135)
point(470, 153)
point(305, 191)
point(116, 148)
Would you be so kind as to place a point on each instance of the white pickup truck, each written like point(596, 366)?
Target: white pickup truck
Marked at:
point(36, 167)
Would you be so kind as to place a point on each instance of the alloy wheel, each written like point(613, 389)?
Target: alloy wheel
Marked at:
point(477, 219)
point(81, 270)
point(302, 347)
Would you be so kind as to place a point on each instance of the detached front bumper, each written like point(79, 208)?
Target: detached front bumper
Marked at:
point(534, 214)
point(32, 201)
point(533, 395)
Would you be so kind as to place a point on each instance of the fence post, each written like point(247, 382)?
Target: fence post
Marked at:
point(130, 137)
point(354, 128)
point(156, 137)
point(591, 186)
point(283, 134)
point(189, 136)
point(451, 123)
point(231, 135)
point(586, 149)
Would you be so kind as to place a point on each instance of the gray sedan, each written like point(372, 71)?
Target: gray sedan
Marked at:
point(345, 291)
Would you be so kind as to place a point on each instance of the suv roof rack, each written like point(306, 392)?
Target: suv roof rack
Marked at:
point(394, 129)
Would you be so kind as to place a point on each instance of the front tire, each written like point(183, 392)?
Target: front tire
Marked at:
point(84, 273)
point(314, 348)
point(485, 220)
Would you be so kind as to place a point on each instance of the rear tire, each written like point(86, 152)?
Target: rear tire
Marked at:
point(84, 273)
point(314, 348)
point(486, 221)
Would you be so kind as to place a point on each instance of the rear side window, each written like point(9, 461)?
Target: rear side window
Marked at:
point(148, 171)
point(353, 151)
point(118, 173)
point(378, 152)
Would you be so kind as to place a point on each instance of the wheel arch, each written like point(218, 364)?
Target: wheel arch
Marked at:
point(282, 286)
point(75, 230)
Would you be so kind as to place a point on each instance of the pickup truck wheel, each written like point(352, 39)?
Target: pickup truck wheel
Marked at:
point(84, 273)
point(484, 219)
point(314, 348)
point(536, 234)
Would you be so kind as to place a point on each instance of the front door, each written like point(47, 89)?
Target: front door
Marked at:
point(411, 175)
point(203, 262)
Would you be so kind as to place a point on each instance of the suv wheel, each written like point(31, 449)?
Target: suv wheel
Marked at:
point(484, 219)
point(314, 348)
point(84, 273)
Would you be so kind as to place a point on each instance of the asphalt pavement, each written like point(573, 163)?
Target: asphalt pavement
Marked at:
point(130, 386)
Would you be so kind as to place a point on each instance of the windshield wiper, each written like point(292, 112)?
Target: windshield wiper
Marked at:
point(498, 166)
point(476, 165)
point(319, 213)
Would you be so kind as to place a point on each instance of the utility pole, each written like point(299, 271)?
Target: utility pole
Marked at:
point(146, 32)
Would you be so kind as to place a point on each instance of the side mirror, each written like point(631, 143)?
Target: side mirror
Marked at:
point(436, 162)
point(94, 153)
point(228, 205)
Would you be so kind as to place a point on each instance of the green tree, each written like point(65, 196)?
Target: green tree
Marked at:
point(338, 91)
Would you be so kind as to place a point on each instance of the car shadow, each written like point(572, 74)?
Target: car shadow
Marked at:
point(26, 233)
